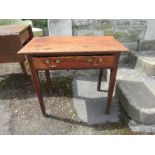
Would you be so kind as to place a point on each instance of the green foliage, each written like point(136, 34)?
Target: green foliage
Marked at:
point(41, 23)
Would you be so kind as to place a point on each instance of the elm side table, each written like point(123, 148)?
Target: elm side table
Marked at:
point(73, 52)
point(12, 39)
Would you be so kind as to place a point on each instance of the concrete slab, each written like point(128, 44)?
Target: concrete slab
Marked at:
point(90, 104)
point(5, 117)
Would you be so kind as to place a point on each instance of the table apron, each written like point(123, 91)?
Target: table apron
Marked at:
point(73, 62)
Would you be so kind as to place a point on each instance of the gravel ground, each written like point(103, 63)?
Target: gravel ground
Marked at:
point(19, 105)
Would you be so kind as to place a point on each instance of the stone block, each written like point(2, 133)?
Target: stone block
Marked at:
point(91, 27)
point(87, 31)
point(132, 96)
point(117, 34)
point(84, 22)
point(143, 61)
point(122, 22)
point(60, 27)
point(132, 45)
point(104, 25)
point(136, 33)
point(139, 23)
point(81, 22)
point(150, 30)
point(147, 45)
point(128, 35)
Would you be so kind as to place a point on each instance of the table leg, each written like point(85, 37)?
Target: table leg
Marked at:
point(23, 69)
point(48, 80)
point(99, 79)
point(37, 85)
point(112, 84)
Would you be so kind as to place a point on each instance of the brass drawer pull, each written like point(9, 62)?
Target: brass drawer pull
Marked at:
point(100, 60)
point(47, 61)
point(90, 60)
point(57, 61)
point(52, 66)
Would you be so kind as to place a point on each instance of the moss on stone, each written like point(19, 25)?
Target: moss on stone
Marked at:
point(117, 35)
point(136, 33)
point(41, 23)
point(104, 26)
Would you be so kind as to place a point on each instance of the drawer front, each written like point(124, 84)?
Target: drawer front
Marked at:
point(24, 36)
point(83, 62)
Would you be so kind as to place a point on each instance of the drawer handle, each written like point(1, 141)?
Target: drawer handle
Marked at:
point(90, 60)
point(52, 66)
point(100, 60)
point(57, 61)
point(47, 61)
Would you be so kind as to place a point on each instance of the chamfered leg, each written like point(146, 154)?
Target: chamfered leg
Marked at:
point(48, 80)
point(23, 69)
point(37, 85)
point(99, 79)
point(112, 84)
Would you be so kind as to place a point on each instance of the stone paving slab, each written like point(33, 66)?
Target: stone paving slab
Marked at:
point(141, 128)
point(90, 104)
point(137, 100)
point(5, 115)
point(133, 90)
point(143, 61)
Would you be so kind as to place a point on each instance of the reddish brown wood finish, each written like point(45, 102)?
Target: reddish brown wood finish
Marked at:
point(83, 52)
point(12, 39)
point(23, 69)
point(37, 85)
point(75, 45)
point(112, 84)
point(48, 80)
point(99, 79)
point(7, 30)
point(77, 62)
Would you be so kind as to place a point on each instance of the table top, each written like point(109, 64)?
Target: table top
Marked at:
point(12, 29)
point(73, 45)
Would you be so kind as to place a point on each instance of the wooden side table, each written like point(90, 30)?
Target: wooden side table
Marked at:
point(12, 39)
point(77, 52)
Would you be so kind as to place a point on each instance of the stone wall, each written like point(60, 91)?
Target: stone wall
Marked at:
point(128, 32)
point(136, 34)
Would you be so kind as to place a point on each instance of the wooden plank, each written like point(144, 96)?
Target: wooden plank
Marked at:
point(73, 44)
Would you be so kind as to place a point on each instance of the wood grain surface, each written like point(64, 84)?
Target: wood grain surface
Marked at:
point(73, 44)
point(12, 29)
point(78, 62)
